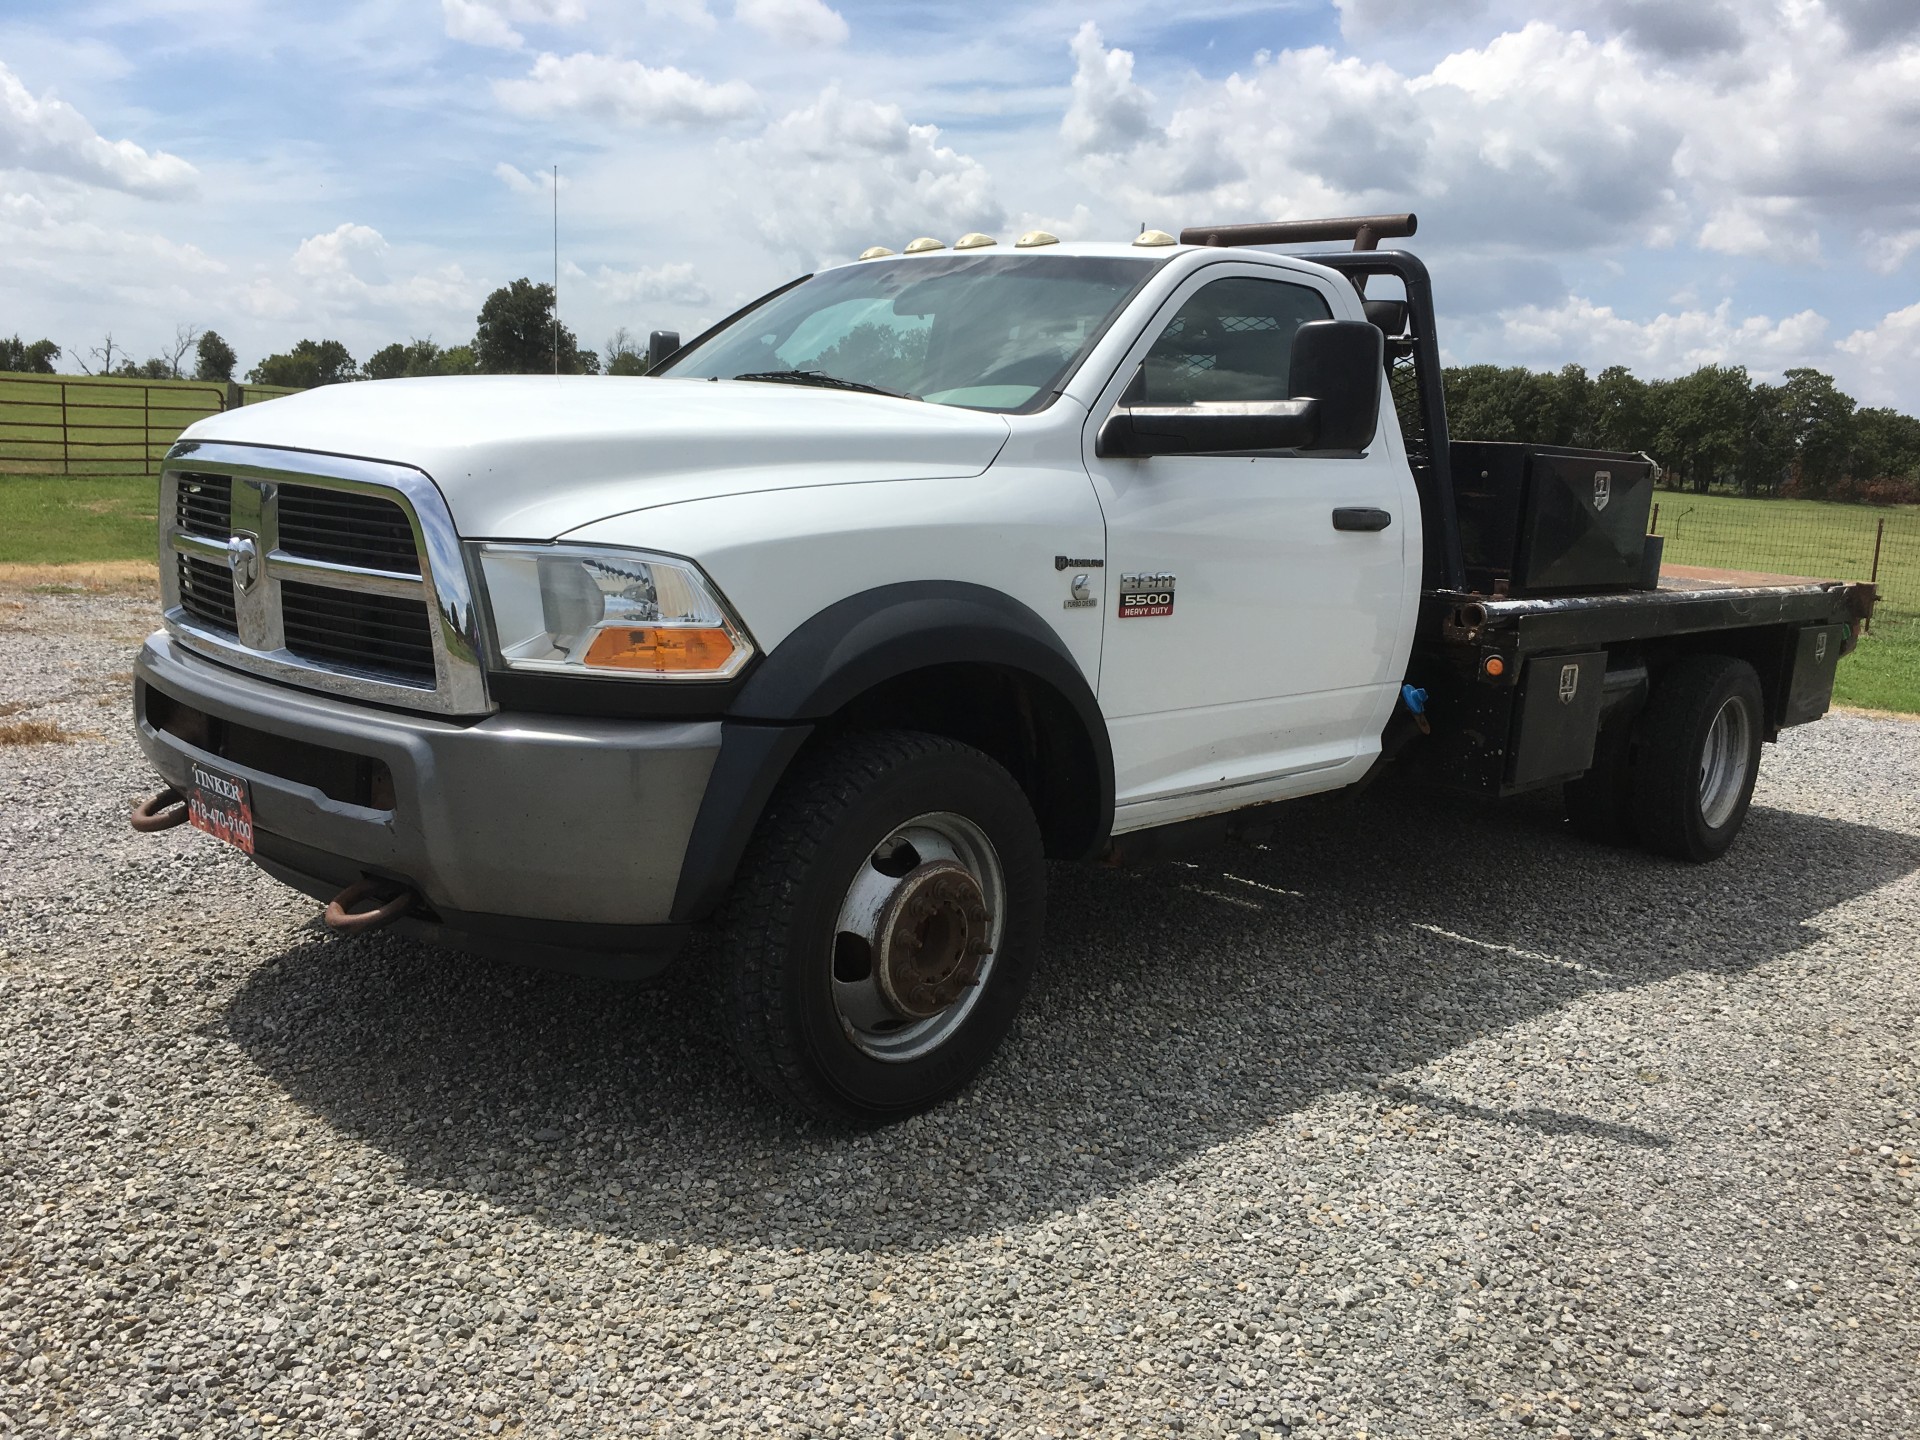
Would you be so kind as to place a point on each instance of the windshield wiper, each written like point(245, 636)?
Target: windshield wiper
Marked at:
point(823, 380)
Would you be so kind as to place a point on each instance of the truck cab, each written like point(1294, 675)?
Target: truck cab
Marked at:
point(913, 575)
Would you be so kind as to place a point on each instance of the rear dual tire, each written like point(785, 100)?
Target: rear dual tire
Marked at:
point(1680, 781)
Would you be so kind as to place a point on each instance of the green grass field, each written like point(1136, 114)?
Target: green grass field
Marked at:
point(70, 520)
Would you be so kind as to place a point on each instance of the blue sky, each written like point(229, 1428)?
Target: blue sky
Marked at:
point(1659, 183)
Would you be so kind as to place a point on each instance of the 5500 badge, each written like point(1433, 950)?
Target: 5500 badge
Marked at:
point(1145, 596)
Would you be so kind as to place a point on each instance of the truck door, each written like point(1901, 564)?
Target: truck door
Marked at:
point(1253, 641)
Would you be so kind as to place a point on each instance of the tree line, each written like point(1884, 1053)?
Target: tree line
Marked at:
point(1714, 428)
point(514, 334)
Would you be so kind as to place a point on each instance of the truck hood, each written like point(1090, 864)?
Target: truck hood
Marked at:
point(534, 456)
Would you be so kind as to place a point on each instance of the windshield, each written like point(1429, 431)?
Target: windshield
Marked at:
point(988, 332)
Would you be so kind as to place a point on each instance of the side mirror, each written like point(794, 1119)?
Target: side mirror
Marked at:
point(1339, 365)
point(661, 344)
point(1336, 367)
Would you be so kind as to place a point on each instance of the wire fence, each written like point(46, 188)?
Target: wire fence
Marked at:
point(60, 425)
point(1800, 537)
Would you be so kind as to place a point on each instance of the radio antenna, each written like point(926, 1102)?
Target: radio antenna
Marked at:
point(556, 269)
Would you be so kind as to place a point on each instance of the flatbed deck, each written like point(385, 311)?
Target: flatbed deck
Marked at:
point(1689, 600)
point(1519, 686)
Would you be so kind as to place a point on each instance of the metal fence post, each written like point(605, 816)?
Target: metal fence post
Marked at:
point(146, 429)
point(66, 455)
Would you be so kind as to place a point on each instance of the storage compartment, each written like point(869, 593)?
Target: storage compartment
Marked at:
point(1539, 520)
point(1559, 717)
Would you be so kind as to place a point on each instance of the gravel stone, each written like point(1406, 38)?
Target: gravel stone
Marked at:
point(1423, 1119)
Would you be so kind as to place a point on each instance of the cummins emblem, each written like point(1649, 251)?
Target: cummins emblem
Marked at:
point(1602, 488)
point(1082, 597)
point(243, 558)
point(1569, 683)
point(1145, 596)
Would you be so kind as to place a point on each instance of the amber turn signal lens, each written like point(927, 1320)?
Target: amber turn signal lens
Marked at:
point(1496, 667)
point(660, 649)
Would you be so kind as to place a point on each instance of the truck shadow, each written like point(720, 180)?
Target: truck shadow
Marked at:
point(1177, 1008)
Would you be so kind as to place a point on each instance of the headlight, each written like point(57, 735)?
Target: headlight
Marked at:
point(581, 610)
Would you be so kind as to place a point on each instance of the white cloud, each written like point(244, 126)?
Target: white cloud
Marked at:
point(490, 22)
point(675, 284)
point(345, 250)
point(347, 272)
point(1109, 112)
point(50, 136)
point(793, 22)
point(1887, 253)
point(520, 183)
point(1884, 362)
point(1748, 134)
point(1775, 228)
point(36, 235)
point(831, 178)
point(1364, 19)
point(610, 88)
point(1669, 344)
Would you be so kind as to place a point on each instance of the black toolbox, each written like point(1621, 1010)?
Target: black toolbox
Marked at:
point(1541, 520)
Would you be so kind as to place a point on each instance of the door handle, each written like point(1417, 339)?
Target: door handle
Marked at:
point(1361, 517)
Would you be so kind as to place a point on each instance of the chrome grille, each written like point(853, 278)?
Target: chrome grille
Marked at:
point(335, 574)
point(352, 631)
point(346, 528)
point(206, 593)
point(204, 505)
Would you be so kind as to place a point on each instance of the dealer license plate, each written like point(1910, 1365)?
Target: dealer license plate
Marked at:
point(221, 805)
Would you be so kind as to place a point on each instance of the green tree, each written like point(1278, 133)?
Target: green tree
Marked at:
point(516, 334)
point(310, 363)
point(459, 360)
point(1617, 411)
point(1491, 402)
point(1886, 445)
point(1766, 451)
point(1820, 417)
point(31, 357)
point(407, 362)
point(1701, 422)
point(214, 358)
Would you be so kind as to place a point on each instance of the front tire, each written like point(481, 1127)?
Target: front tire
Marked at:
point(1697, 757)
point(884, 926)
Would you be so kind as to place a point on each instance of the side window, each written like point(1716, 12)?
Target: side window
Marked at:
point(1232, 340)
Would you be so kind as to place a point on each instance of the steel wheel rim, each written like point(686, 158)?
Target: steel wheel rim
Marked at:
point(930, 847)
point(1723, 763)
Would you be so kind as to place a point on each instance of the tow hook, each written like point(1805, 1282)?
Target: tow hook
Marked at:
point(160, 811)
point(340, 913)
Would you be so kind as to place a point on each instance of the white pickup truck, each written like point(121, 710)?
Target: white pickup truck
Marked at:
point(905, 579)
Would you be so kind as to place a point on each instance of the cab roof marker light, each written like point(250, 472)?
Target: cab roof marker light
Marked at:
point(875, 252)
point(922, 246)
point(1155, 237)
point(974, 240)
point(1035, 237)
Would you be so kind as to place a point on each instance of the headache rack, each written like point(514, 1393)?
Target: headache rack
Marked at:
point(1413, 356)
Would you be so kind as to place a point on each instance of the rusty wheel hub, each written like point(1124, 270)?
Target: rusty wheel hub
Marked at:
point(930, 939)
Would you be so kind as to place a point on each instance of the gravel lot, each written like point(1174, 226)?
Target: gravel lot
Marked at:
point(1426, 1120)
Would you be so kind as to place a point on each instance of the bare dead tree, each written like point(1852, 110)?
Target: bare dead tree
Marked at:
point(184, 339)
point(103, 357)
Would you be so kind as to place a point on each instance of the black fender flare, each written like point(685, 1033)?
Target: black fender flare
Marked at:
point(843, 652)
